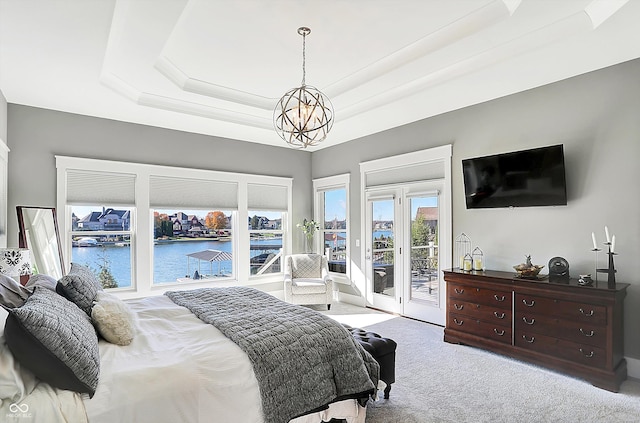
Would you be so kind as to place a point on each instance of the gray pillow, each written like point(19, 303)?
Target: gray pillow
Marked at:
point(79, 286)
point(12, 294)
point(42, 280)
point(53, 338)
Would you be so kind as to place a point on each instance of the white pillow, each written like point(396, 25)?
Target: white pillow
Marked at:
point(113, 319)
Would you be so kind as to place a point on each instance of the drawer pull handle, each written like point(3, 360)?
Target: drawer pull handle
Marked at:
point(524, 301)
point(591, 354)
point(459, 323)
point(501, 333)
point(585, 313)
point(499, 316)
point(498, 298)
point(458, 307)
point(533, 338)
point(590, 334)
point(524, 319)
point(458, 291)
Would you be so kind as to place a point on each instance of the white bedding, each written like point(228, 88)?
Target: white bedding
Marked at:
point(177, 369)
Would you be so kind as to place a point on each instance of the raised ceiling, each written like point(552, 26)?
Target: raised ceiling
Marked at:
point(218, 67)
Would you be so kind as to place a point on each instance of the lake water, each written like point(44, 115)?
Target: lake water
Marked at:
point(170, 259)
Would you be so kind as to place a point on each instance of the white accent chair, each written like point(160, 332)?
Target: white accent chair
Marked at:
point(307, 280)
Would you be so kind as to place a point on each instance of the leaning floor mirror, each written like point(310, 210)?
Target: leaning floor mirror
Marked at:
point(39, 233)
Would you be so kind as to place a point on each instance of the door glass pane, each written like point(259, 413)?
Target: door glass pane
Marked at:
point(334, 229)
point(383, 255)
point(424, 249)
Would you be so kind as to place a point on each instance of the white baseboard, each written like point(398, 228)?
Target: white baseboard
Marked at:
point(633, 367)
point(351, 299)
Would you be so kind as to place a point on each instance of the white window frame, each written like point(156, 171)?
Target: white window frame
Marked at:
point(320, 186)
point(142, 252)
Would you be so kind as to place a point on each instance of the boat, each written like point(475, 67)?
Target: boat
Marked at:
point(87, 242)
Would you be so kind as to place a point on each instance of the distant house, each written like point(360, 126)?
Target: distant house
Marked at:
point(430, 216)
point(115, 220)
point(90, 222)
point(181, 224)
point(259, 222)
point(108, 220)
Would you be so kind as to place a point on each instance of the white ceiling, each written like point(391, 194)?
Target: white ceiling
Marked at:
point(218, 67)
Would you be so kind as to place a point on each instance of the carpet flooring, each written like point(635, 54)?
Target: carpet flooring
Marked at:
point(441, 382)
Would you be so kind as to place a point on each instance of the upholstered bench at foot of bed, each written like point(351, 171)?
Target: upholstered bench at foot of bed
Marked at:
point(383, 350)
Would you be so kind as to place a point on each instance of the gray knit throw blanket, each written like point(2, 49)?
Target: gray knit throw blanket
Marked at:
point(302, 359)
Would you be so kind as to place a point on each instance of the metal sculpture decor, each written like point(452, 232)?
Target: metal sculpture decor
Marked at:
point(303, 116)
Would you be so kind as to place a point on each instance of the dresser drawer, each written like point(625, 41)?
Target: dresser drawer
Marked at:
point(487, 313)
point(564, 310)
point(479, 327)
point(580, 332)
point(500, 299)
point(572, 351)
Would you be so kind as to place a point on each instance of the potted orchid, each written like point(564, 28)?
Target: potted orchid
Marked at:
point(309, 228)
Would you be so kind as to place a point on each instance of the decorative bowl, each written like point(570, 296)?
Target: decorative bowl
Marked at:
point(525, 271)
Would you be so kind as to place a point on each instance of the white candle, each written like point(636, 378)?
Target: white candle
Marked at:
point(467, 265)
point(613, 243)
point(606, 232)
point(477, 264)
point(593, 237)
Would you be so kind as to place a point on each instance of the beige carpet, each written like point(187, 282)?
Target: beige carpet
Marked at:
point(441, 382)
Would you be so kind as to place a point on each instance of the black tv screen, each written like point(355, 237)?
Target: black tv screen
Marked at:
point(524, 178)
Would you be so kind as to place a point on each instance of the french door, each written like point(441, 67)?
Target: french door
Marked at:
point(407, 241)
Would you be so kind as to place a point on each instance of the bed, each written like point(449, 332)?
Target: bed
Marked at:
point(179, 367)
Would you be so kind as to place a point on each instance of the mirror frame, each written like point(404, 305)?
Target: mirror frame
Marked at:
point(22, 234)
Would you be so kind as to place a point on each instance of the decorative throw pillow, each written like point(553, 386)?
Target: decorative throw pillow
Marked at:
point(42, 280)
point(79, 286)
point(306, 266)
point(113, 319)
point(54, 339)
point(12, 294)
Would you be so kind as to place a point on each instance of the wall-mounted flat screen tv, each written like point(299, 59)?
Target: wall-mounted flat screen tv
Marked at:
point(524, 178)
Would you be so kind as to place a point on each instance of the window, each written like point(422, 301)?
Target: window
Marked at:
point(267, 220)
point(100, 239)
point(166, 226)
point(265, 242)
point(331, 196)
point(191, 245)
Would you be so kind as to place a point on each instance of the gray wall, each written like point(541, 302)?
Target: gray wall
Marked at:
point(595, 116)
point(36, 135)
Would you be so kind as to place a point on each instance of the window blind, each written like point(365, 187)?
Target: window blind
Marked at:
point(416, 172)
point(104, 188)
point(171, 192)
point(263, 197)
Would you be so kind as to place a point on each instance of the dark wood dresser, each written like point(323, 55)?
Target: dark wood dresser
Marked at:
point(559, 324)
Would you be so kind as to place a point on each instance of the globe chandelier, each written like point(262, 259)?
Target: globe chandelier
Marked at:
point(303, 116)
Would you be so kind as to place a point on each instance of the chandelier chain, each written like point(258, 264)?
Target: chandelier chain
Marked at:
point(304, 57)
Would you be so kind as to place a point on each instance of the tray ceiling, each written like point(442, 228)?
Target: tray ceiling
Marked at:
point(218, 67)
